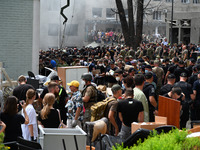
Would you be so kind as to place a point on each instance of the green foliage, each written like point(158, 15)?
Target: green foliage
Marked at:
point(174, 140)
point(2, 146)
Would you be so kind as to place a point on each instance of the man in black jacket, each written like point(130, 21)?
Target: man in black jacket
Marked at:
point(189, 96)
point(150, 94)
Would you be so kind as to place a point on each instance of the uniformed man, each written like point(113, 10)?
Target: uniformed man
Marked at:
point(150, 52)
point(189, 96)
point(160, 75)
point(172, 68)
point(194, 75)
point(184, 53)
point(195, 111)
point(89, 95)
point(180, 69)
point(150, 93)
point(170, 83)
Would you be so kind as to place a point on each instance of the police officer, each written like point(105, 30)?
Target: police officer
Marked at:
point(150, 93)
point(172, 68)
point(195, 111)
point(170, 83)
point(193, 77)
point(189, 96)
point(180, 69)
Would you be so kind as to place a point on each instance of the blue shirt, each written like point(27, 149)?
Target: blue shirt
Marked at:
point(73, 104)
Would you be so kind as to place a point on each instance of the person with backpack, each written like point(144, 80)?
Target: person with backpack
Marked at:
point(111, 109)
point(89, 95)
point(130, 110)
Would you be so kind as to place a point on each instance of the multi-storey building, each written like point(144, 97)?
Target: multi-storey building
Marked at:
point(87, 15)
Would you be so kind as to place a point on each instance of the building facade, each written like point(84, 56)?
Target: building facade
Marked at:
point(19, 36)
point(86, 16)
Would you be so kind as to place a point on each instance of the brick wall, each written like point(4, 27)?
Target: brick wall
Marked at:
point(16, 26)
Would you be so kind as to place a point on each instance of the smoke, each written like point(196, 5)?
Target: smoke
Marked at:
point(81, 18)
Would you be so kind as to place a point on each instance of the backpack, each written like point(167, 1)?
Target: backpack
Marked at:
point(99, 95)
point(98, 109)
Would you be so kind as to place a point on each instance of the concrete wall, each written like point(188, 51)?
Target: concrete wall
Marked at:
point(16, 37)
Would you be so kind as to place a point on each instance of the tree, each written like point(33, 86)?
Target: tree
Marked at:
point(132, 37)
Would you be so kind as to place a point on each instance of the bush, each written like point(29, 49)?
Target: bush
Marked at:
point(174, 140)
point(2, 146)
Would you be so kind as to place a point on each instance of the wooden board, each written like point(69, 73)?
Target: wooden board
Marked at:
point(67, 74)
point(169, 108)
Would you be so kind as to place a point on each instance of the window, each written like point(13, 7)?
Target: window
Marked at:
point(53, 5)
point(109, 13)
point(53, 30)
point(185, 1)
point(157, 15)
point(196, 1)
point(126, 12)
point(97, 12)
point(71, 30)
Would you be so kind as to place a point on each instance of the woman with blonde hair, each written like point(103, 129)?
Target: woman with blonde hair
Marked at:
point(49, 117)
point(30, 131)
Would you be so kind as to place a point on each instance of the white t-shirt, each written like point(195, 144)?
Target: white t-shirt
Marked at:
point(32, 121)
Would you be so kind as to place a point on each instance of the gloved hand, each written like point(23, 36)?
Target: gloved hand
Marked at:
point(74, 123)
point(32, 138)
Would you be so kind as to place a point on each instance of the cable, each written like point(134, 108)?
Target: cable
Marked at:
point(71, 21)
point(63, 35)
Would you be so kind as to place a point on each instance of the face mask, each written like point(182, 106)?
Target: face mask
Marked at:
point(83, 82)
point(123, 87)
point(146, 71)
point(117, 78)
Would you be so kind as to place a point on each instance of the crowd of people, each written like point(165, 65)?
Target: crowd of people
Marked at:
point(136, 77)
point(106, 37)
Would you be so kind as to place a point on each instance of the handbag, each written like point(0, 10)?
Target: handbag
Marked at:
point(61, 125)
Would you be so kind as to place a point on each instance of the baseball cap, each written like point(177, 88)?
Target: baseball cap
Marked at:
point(183, 74)
point(156, 61)
point(181, 62)
point(131, 69)
point(74, 83)
point(148, 66)
point(112, 62)
point(148, 75)
point(116, 87)
point(141, 60)
point(55, 77)
point(134, 61)
point(119, 71)
point(171, 76)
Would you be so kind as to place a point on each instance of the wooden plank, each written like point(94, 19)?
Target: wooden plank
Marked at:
point(169, 108)
point(62, 75)
point(67, 74)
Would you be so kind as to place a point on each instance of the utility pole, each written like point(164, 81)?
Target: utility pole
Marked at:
point(171, 40)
